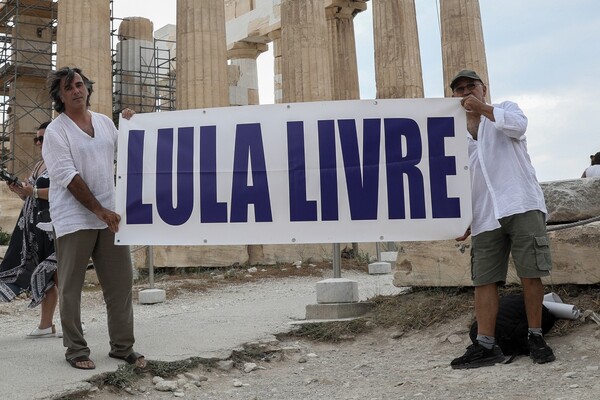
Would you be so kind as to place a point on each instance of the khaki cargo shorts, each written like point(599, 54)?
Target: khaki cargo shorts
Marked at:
point(524, 235)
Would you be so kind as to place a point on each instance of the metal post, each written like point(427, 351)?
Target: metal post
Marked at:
point(337, 261)
point(150, 265)
point(378, 250)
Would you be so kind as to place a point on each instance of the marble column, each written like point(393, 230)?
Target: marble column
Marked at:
point(398, 72)
point(243, 91)
point(275, 36)
point(83, 40)
point(201, 55)
point(306, 72)
point(135, 80)
point(243, 73)
point(344, 67)
point(462, 40)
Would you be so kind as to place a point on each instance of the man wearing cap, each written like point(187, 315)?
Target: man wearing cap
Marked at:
point(509, 217)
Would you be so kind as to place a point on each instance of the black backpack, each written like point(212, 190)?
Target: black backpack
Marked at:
point(512, 327)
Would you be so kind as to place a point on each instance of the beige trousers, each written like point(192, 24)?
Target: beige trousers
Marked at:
point(113, 268)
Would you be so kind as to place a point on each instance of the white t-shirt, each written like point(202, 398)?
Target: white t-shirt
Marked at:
point(592, 170)
point(502, 177)
point(69, 151)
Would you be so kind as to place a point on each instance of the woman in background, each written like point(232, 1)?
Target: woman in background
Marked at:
point(29, 264)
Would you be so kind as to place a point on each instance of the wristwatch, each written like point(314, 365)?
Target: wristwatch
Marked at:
point(35, 192)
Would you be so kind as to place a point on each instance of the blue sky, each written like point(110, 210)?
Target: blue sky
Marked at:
point(542, 54)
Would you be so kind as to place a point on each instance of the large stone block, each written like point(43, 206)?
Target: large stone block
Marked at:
point(380, 267)
point(287, 253)
point(151, 296)
point(574, 250)
point(435, 263)
point(575, 255)
point(194, 256)
point(447, 263)
point(337, 290)
point(572, 200)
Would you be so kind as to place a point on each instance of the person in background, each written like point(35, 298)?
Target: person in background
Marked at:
point(29, 264)
point(509, 217)
point(79, 151)
point(594, 169)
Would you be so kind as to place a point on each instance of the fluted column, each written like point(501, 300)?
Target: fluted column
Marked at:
point(201, 54)
point(275, 36)
point(306, 73)
point(83, 40)
point(344, 67)
point(397, 58)
point(135, 63)
point(243, 91)
point(462, 40)
point(243, 73)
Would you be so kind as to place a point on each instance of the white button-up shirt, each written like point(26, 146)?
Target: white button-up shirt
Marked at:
point(502, 177)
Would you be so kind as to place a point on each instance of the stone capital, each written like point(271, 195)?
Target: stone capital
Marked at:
point(274, 35)
point(246, 50)
point(344, 9)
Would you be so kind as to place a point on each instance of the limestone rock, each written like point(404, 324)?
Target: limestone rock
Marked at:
point(572, 200)
point(447, 263)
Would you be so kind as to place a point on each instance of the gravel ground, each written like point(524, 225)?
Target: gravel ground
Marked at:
point(379, 365)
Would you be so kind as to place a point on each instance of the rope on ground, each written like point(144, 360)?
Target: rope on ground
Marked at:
point(573, 224)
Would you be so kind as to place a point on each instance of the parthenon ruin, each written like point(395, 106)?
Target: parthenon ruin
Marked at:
point(209, 60)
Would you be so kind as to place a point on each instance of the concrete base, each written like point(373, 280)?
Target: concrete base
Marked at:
point(380, 267)
point(337, 311)
point(389, 256)
point(152, 296)
point(337, 290)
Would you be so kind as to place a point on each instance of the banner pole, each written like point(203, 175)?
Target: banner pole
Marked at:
point(337, 261)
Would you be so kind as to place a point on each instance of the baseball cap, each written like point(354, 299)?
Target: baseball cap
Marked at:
point(465, 73)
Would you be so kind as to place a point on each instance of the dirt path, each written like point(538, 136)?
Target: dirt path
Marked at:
point(415, 366)
point(378, 365)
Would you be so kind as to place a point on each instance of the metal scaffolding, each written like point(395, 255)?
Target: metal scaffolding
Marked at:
point(27, 54)
point(149, 86)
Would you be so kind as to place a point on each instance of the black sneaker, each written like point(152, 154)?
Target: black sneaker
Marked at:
point(539, 351)
point(478, 356)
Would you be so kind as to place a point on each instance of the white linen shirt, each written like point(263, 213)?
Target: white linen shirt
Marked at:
point(69, 151)
point(502, 177)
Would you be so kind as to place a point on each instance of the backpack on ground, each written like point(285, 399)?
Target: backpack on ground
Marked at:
point(512, 326)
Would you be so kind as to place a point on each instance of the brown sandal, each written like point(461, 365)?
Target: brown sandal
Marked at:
point(133, 358)
point(74, 361)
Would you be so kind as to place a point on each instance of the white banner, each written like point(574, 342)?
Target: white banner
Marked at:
point(323, 172)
